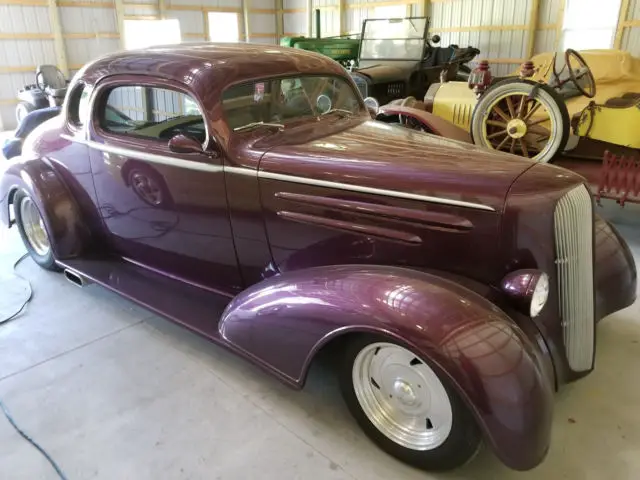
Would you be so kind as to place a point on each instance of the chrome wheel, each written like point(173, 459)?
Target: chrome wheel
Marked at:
point(402, 396)
point(34, 228)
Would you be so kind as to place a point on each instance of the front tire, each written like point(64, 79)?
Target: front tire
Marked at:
point(521, 117)
point(405, 407)
point(32, 229)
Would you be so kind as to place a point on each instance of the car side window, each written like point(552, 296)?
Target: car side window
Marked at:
point(154, 113)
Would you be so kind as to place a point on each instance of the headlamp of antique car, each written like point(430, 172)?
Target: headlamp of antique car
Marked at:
point(528, 289)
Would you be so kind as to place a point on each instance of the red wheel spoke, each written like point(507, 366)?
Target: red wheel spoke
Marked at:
point(513, 146)
point(539, 121)
point(521, 106)
point(495, 123)
point(532, 111)
point(503, 143)
point(539, 130)
point(523, 145)
point(500, 112)
point(512, 110)
point(497, 134)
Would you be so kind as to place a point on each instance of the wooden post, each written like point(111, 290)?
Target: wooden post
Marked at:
point(162, 8)
point(246, 5)
point(622, 18)
point(205, 22)
point(533, 26)
point(58, 39)
point(341, 13)
point(559, 24)
point(120, 20)
point(310, 18)
point(426, 7)
point(279, 20)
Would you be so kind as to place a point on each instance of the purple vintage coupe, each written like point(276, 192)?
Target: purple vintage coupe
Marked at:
point(458, 288)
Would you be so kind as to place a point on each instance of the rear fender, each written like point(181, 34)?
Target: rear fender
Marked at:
point(283, 321)
point(62, 217)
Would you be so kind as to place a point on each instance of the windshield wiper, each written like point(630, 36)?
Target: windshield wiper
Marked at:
point(252, 125)
point(346, 113)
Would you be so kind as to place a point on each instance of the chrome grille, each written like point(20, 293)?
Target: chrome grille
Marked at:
point(573, 223)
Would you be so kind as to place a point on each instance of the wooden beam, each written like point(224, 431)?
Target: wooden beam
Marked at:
point(426, 8)
point(63, 3)
point(262, 35)
point(622, 19)
point(25, 3)
point(559, 25)
point(505, 61)
point(310, 18)
point(91, 35)
point(632, 23)
point(481, 28)
point(8, 101)
point(294, 10)
point(391, 3)
point(534, 12)
point(195, 35)
point(26, 36)
point(140, 17)
point(162, 8)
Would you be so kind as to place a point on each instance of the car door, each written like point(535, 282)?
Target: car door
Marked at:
point(163, 210)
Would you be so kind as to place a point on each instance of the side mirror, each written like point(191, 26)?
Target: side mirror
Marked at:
point(372, 105)
point(183, 144)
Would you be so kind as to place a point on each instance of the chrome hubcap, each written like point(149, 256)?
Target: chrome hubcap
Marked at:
point(34, 229)
point(402, 396)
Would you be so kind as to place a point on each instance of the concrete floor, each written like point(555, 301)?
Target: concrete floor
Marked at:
point(114, 392)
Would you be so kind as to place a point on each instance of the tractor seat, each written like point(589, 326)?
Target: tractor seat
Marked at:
point(628, 99)
point(52, 77)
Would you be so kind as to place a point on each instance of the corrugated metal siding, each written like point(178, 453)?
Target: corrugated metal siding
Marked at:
point(470, 18)
point(548, 18)
point(294, 23)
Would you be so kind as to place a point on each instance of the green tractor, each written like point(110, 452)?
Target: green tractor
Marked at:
point(342, 49)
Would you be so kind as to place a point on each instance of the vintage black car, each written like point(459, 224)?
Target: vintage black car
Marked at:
point(398, 59)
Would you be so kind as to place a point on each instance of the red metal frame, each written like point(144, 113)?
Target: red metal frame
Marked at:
point(619, 179)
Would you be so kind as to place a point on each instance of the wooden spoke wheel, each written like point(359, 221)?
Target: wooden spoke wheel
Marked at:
point(523, 118)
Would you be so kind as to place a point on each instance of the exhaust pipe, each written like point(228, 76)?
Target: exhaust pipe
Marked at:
point(75, 278)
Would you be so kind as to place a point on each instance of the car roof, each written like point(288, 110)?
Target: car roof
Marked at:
point(204, 64)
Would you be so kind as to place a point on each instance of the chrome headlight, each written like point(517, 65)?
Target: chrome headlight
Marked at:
point(528, 288)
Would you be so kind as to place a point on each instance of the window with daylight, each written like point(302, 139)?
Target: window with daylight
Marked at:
point(223, 27)
point(590, 24)
point(147, 33)
point(390, 11)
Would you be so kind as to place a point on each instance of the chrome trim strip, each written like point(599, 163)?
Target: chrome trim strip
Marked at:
point(373, 191)
point(148, 157)
point(191, 165)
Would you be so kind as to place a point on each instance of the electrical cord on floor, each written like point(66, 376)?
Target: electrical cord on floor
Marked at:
point(3, 407)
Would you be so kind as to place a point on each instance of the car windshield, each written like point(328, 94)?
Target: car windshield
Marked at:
point(393, 39)
point(285, 100)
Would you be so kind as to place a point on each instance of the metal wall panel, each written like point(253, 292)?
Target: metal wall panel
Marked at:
point(88, 20)
point(295, 23)
point(19, 19)
point(631, 35)
point(191, 22)
point(84, 50)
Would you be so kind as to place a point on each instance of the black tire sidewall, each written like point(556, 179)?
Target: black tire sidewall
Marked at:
point(463, 441)
point(48, 261)
point(565, 128)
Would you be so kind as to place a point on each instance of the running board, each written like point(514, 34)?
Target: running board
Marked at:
point(193, 307)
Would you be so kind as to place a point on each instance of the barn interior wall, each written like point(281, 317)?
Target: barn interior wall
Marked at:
point(69, 33)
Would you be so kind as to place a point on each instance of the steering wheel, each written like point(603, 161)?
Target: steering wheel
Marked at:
point(40, 81)
point(582, 77)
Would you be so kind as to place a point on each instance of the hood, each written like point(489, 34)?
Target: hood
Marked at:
point(377, 155)
point(386, 73)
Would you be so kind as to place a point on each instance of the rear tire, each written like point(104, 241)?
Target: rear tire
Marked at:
point(22, 110)
point(32, 229)
point(408, 409)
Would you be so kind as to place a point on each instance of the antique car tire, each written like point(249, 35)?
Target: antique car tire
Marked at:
point(22, 110)
point(454, 438)
point(545, 96)
point(33, 232)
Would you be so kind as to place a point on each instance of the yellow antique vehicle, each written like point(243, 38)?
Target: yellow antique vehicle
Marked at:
point(565, 108)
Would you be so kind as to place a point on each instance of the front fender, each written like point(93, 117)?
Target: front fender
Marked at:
point(62, 217)
point(439, 126)
point(284, 320)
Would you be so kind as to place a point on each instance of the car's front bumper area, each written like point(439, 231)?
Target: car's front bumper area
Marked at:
point(615, 271)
